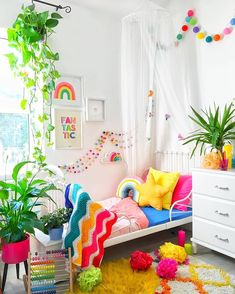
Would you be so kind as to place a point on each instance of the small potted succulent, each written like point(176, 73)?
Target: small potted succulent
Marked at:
point(53, 222)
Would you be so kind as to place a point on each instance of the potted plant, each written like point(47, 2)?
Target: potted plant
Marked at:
point(19, 197)
point(216, 128)
point(54, 221)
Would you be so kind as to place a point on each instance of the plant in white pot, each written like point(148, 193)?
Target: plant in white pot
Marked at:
point(53, 222)
point(19, 197)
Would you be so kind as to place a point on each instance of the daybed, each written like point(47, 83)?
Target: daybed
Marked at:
point(134, 221)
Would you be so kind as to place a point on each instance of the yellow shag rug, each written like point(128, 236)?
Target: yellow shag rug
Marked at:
point(119, 278)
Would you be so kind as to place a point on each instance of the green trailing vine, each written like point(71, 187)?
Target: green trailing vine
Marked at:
point(33, 61)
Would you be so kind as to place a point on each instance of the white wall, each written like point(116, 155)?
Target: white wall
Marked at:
point(89, 45)
point(215, 62)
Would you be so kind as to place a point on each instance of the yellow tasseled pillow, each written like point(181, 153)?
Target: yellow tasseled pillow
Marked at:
point(167, 180)
point(150, 193)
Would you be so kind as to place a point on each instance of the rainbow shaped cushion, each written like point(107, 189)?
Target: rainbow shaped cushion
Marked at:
point(127, 188)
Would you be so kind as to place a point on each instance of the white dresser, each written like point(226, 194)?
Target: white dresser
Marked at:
point(214, 210)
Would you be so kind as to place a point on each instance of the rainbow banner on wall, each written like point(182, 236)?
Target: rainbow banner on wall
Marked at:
point(64, 90)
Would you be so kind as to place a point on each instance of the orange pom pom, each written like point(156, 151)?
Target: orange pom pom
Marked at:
point(217, 37)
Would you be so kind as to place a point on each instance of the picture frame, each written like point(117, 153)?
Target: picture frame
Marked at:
point(69, 91)
point(68, 128)
point(95, 109)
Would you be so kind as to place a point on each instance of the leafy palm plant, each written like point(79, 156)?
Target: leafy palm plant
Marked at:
point(18, 199)
point(216, 128)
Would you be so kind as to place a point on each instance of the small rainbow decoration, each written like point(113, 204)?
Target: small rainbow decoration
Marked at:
point(128, 184)
point(115, 156)
point(64, 89)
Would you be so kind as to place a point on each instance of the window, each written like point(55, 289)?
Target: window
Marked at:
point(14, 126)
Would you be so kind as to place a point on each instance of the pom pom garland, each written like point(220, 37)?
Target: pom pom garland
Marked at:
point(140, 261)
point(88, 279)
point(167, 268)
point(192, 20)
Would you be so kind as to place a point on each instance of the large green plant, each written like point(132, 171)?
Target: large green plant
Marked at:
point(33, 61)
point(18, 199)
point(216, 128)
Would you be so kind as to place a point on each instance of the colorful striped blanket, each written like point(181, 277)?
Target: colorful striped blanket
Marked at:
point(89, 226)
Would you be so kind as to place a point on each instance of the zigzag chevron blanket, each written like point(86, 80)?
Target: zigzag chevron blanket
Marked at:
point(89, 226)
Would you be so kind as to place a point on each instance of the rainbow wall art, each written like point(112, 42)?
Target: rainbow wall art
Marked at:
point(64, 90)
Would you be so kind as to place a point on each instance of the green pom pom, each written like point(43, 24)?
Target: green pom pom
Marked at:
point(89, 279)
point(179, 37)
point(193, 21)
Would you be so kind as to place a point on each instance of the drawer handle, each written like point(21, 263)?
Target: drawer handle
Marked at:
point(222, 188)
point(222, 213)
point(221, 239)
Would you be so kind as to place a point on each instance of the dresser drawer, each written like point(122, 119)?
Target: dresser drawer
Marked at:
point(214, 209)
point(215, 184)
point(214, 234)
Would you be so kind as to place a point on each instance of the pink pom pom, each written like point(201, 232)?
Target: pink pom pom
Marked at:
point(140, 260)
point(190, 13)
point(167, 268)
point(227, 31)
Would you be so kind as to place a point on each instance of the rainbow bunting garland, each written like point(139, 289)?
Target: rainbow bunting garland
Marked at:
point(192, 22)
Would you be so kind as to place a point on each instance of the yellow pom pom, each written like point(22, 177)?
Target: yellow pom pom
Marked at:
point(169, 250)
point(200, 36)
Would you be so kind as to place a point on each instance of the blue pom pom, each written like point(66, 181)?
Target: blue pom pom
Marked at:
point(232, 22)
point(187, 19)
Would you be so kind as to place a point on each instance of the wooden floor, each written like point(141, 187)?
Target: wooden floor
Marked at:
point(148, 243)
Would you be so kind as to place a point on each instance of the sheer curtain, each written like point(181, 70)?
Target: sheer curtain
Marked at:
point(152, 63)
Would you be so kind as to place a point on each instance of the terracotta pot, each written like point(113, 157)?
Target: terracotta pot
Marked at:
point(13, 253)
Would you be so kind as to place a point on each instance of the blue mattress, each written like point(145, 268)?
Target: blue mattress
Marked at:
point(157, 217)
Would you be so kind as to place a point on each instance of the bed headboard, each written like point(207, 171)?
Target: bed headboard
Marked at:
point(176, 161)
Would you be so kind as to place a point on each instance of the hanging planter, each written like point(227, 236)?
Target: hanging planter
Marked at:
point(33, 61)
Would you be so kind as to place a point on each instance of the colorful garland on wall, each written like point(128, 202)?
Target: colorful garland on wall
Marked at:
point(119, 140)
point(192, 22)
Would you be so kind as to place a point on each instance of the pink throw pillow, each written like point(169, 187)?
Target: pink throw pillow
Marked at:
point(182, 189)
point(145, 174)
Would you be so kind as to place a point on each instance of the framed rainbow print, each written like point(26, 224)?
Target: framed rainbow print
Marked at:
point(68, 128)
point(68, 92)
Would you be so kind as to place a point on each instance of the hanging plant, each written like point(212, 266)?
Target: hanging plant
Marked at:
point(33, 61)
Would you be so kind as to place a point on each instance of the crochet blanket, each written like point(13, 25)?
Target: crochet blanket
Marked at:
point(89, 226)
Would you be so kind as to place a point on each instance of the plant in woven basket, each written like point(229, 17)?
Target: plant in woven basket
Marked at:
point(216, 128)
